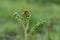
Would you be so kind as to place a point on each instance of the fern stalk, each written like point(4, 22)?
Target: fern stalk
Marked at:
point(26, 29)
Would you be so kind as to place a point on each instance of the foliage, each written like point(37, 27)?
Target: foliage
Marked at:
point(39, 9)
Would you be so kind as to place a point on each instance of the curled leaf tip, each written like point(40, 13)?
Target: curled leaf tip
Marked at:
point(26, 13)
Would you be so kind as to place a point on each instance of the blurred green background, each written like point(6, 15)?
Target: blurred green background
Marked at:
point(39, 9)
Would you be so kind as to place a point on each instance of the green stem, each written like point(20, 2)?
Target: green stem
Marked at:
point(25, 35)
point(26, 29)
point(33, 28)
point(21, 23)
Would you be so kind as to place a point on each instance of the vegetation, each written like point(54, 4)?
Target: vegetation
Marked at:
point(41, 22)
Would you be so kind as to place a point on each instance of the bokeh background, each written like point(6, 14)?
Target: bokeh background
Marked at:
point(39, 9)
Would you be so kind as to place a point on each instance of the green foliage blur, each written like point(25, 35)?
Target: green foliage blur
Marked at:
point(39, 9)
